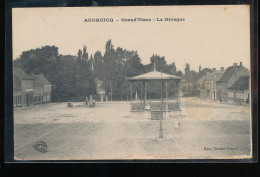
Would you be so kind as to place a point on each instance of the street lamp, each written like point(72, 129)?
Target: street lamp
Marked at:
point(111, 89)
point(161, 114)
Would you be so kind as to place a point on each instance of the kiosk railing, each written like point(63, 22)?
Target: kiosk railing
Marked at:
point(156, 105)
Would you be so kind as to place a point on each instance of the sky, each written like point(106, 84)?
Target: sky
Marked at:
point(210, 36)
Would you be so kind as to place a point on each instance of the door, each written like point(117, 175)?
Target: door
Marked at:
point(27, 99)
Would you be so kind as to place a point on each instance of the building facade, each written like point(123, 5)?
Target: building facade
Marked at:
point(187, 88)
point(239, 91)
point(23, 88)
point(42, 89)
point(206, 85)
point(29, 90)
point(229, 77)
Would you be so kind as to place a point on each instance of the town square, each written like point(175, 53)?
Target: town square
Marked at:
point(104, 133)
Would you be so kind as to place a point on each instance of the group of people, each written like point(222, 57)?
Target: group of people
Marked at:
point(91, 102)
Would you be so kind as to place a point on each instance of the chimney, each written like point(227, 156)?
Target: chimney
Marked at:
point(222, 68)
point(241, 64)
point(234, 64)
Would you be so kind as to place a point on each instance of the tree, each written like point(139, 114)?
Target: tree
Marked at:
point(91, 61)
point(85, 84)
point(79, 57)
point(187, 68)
point(85, 53)
point(179, 73)
point(65, 79)
point(160, 62)
point(70, 75)
point(44, 58)
point(172, 69)
point(17, 62)
point(109, 47)
point(133, 65)
point(98, 64)
point(114, 67)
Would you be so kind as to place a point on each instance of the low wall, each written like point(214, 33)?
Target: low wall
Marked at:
point(155, 105)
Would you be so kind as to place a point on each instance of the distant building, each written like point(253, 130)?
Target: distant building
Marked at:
point(29, 90)
point(99, 89)
point(207, 84)
point(42, 89)
point(201, 83)
point(187, 88)
point(23, 88)
point(239, 91)
point(230, 76)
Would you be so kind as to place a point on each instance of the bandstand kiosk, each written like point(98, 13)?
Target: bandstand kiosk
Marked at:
point(157, 106)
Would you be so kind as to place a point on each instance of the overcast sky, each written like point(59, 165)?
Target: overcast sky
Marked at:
point(212, 36)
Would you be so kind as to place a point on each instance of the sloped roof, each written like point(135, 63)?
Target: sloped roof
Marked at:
point(241, 84)
point(213, 76)
point(229, 72)
point(210, 76)
point(40, 80)
point(202, 78)
point(17, 83)
point(21, 74)
point(154, 75)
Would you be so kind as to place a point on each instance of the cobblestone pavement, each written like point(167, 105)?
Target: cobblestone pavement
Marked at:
point(110, 131)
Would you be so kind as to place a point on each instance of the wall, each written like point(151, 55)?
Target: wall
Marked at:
point(46, 97)
point(17, 98)
point(241, 95)
point(38, 91)
point(26, 84)
point(47, 88)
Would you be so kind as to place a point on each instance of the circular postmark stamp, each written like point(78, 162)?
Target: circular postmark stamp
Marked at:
point(41, 147)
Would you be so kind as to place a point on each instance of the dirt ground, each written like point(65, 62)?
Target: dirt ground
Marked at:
point(110, 131)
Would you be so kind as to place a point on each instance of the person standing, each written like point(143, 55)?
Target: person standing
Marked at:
point(91, 101)
point(86, 100)
point(176, 124)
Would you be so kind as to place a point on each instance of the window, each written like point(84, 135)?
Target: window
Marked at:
point(17, 100)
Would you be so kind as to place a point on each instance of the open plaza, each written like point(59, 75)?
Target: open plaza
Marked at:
point(208, 130)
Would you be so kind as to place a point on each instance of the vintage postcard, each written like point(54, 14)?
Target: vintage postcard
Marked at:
point(123, 83)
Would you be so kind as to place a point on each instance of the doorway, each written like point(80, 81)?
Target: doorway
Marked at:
point(27, 100)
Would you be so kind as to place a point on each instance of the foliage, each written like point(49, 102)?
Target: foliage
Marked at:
point(70, 76)
point(74, 76)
